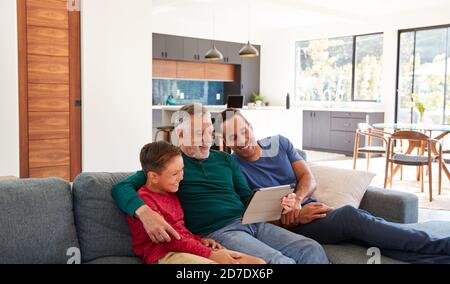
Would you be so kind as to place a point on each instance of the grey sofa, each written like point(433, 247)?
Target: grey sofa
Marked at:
point(42, 219)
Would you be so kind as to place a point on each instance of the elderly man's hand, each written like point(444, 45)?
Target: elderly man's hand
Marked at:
point(305, 215)
point(156, 227)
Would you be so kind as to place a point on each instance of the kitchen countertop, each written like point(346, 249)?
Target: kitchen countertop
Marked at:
point(216, 108)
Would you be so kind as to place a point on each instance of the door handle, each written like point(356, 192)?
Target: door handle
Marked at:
point(78, 103)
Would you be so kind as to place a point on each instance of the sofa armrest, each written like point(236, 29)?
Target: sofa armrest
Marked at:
point(391, 205)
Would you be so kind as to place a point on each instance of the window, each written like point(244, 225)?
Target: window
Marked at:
point(423, 75)
point(339, 69)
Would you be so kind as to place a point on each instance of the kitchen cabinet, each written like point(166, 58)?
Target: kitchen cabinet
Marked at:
point(219, 72)
point(187, 49)
point(168, 47)
point(195, 49)
point(164, 69)
point(190, 70)
point(316, 129)
point(332, 131)
point(230, 51)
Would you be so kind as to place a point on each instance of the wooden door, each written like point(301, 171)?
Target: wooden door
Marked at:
point(49, 88)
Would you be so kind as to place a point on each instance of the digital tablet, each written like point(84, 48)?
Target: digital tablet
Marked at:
point(265, 204)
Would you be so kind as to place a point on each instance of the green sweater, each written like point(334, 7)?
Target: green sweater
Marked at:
point(212, 193)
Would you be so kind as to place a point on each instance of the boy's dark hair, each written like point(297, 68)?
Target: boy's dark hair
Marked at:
point(154, 156)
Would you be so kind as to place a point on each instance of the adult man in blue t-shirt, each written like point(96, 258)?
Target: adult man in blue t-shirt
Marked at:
point(274, 161)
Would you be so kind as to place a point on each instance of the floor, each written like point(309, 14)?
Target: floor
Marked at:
point(438, 209)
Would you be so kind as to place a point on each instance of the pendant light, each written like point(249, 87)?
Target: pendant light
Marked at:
point(248, 50)
point(214, 54)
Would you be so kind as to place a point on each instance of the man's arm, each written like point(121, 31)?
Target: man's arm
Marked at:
point(127, 199)
point(125, 193)
point(306, 183)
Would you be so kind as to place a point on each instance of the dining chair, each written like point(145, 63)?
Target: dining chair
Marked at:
point(367, 131)
point(420, 160)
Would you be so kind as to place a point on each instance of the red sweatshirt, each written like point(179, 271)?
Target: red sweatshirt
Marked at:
point(169, 207)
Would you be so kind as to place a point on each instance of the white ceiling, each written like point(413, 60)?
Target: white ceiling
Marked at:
point(278, 14)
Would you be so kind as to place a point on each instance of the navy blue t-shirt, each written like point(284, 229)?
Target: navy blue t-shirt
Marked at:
point(274, 168)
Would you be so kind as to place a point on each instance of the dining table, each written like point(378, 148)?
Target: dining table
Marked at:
point(426, 128)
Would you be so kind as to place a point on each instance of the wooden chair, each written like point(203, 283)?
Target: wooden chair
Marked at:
point(420, 160)
point(370, 133)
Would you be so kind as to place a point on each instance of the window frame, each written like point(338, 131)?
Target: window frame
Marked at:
point(354, 37)
point(397, 80)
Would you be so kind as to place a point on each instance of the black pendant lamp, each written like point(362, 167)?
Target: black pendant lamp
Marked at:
point(248, 50)
point(214, 54)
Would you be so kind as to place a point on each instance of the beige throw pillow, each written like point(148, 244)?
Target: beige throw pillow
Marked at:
point(340, 187)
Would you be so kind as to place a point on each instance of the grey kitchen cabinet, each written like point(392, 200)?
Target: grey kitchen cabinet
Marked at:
point(168, 47)
point(316, 129)
point(196, 49)
point(250, 76)
point(159, 46)
point(230, 51)
point(307, 129)
point(190, 51)
point(335, 131)
point(247, 70)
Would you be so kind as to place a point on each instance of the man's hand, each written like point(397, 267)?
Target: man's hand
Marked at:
point(211, 243)
point(305, 215)
point(288, 203)
point(225, 257)
point(289, 219)
point(156, 227)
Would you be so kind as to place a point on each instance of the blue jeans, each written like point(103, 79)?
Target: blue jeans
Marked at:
point(273, 244)
point(394, 240)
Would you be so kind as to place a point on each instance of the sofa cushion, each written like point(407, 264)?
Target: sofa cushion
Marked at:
point(353, 254)
point(340, 187)
point(102, 228)
point(36, 221)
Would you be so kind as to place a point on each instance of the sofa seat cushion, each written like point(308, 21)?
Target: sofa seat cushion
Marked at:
point(102, 228)
point(36, 221)
point(353, 254)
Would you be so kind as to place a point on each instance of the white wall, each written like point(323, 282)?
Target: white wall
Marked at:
point(116, 65)
point(278, 49)
point(9, 98)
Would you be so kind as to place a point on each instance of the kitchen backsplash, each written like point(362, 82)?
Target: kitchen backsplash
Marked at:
point(186, 92)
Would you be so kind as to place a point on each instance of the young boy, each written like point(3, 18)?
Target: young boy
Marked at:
point(163, 165)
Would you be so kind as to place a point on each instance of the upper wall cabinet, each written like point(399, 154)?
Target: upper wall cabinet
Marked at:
point(193, 49)
point(230, 51)
point(191, 52)
point(168, 47)
point(196, 49)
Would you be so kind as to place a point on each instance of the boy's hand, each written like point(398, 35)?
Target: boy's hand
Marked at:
point(288, 203)
point(225, 257)
point(211, 243)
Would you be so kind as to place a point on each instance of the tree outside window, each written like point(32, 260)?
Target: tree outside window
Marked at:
point(423, 71)
point(325, 68)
